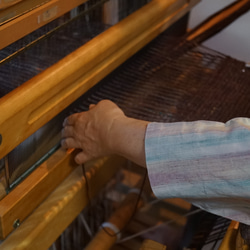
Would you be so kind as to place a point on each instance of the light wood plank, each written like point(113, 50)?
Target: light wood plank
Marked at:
point(24, 198)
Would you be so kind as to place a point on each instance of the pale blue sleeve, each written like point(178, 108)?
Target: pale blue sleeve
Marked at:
point(204, 162)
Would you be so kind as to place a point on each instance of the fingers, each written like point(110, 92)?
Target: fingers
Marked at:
point(92, 106)
point(70, 120)
point(67, 131)
point(81, 158)
point(67, 122)
point(69, 143)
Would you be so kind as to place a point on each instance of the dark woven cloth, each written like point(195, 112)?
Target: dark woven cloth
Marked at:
point(245, 233)
point(171, 80)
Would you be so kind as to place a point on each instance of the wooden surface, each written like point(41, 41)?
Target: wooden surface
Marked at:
point(50, 219)
point(25, 24)
point(18, 9)
point(152, 245)
point(34, 103)
point(7, 3)
point(24, 198)
point(229, 240)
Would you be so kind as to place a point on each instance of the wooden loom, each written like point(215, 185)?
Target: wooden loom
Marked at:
point(45, 203)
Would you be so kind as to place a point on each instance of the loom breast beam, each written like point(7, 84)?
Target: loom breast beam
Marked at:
point(30, 106)
point(33, 104)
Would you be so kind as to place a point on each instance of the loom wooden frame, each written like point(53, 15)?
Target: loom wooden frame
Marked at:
point(33, 104)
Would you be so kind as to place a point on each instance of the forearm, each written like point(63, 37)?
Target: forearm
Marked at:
point(128, 139)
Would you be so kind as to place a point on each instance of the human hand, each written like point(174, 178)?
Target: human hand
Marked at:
point(91, 131)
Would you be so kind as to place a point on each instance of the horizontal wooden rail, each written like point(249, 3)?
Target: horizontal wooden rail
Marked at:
point(20, 202)
point(6, 4)
point(34, 103)
point(32, 20)
point(18, 9)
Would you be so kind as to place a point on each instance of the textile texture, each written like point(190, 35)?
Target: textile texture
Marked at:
point(204, 162)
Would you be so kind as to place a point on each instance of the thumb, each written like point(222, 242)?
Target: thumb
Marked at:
point(81, 158)
point(91, 106)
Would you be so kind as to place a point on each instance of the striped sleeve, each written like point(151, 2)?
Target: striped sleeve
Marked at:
point(204, 162)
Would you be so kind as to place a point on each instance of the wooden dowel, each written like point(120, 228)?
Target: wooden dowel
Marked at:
point(106, 237)
point(218, 21)
point(229, 240)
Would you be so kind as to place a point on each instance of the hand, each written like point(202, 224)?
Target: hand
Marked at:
point(91, 131)
point(105, 130)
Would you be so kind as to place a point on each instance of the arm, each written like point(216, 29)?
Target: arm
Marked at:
point(207, 163)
